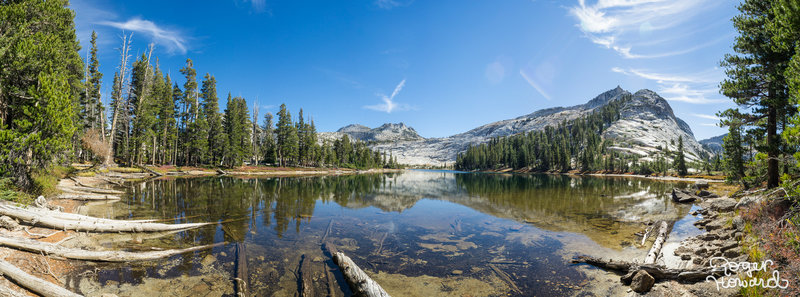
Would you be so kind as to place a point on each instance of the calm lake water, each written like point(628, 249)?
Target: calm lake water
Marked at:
point(417, 233)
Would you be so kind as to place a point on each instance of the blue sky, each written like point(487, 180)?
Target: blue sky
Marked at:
point(442, 67)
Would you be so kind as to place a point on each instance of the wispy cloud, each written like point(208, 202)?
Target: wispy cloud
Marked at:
point(389, 104)
point(534, 85)
point(390, 4)
point(621, 24)
point(697, 88)
point(706, 116)
point(172, 40)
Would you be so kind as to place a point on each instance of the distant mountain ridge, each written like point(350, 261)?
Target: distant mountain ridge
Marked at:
point(385, 133)
point(647, 126)
point(713, 144)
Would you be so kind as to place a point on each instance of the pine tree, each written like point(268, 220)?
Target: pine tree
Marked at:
point(756, 77)
point(40, 79)
point(216, 136)
point(269, 139)
point(680, 162)
point(286, 137)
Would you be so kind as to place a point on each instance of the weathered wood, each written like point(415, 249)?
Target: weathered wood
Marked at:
point(360, 283)
point(36, 218)
point(306, 278)
point(327, 231)
point(102, 256)
point(87, 196)
point(241, 270)
point(8, 292)
point(156, 173)
point(32, 283)
point(78, 217)
point(655, 250)
point(505, 278)
point(657, 271)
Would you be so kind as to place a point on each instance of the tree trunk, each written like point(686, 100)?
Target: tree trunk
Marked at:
point(32, 283)
point(772, 148)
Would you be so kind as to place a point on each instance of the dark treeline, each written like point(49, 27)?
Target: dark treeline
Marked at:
point(51, 109)
point(574, 144)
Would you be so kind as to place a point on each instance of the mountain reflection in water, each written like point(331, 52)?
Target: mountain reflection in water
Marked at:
point(448, 233)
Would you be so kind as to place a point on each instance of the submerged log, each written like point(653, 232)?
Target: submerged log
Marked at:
point(306, 278)
point(36, 218)
point(102, 256)
point(357, 279)
point(241, 270)
point(32, 283)
point(655, 251)
point(505, 278)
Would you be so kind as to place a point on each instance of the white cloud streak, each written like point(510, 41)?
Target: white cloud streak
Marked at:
point(706, 116)
point(534, 85)
point(698, 88)
point(390, 4)
point(172, 40)
point(619, 24)
point(389, 104)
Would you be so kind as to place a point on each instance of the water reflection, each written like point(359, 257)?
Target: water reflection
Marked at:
point(436, 229)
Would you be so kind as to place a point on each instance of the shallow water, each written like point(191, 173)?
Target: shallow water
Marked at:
point(419, 232)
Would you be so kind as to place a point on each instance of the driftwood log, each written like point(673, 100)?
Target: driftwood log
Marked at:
point(360, 283)
point(51, 249)
point(36, 218)
point(153, 172)
point(35, 284)
point(306, 277)
point(655, 250)
point(657, 271)
point(241, 270)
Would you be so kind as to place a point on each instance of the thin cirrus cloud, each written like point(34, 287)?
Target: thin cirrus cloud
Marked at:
point(170, 39)
point(390, 4)
point(389, 105)
point(698, 88)
point(621, 25)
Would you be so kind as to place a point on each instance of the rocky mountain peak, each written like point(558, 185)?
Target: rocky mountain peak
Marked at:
point(353, 128)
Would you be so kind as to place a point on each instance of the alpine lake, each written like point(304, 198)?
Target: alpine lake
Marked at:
point(416, 232)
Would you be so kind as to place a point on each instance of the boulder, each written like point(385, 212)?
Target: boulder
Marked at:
point(748, 200)
point(681, 196)
point(706, 194)
point(701, 185)
point(723, 204)
point(642, 282)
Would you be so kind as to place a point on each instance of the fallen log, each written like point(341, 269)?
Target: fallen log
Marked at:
point(360, 283)
point(50, 249)
point(32, 283)
point(87, 196)
point(241, 270)
point(36, 218)
point(79, 217)
point(156, 173)
point(505, 278)
point(306, 278)
point(655, 250)
point(657, 271)
point(8, 292)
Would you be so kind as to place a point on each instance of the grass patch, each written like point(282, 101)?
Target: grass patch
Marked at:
point(9, 192)
point(125, 170)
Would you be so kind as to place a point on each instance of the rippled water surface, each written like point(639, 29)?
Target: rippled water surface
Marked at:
point(420, 233)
